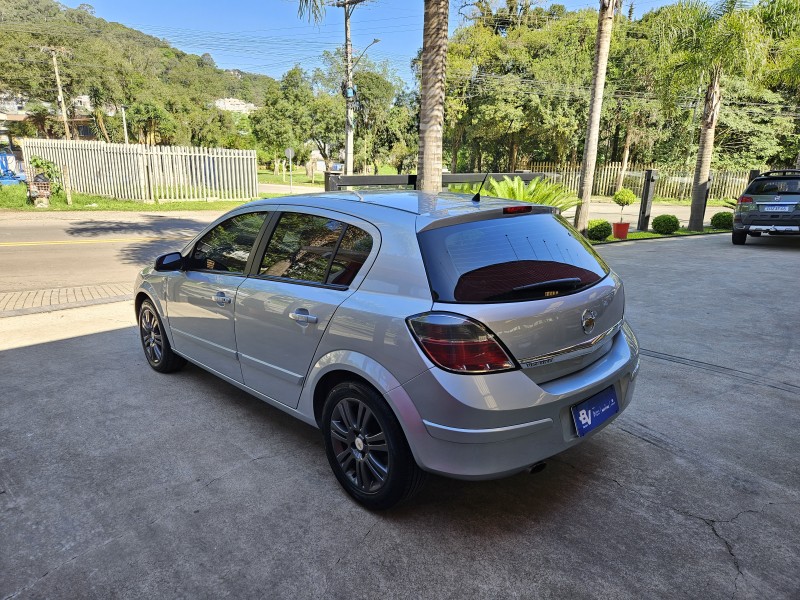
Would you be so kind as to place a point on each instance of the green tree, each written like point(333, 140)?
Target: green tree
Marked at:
point(704, 43)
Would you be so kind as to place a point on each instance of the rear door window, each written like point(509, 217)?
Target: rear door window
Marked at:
point(509, 259)
point(315, 249)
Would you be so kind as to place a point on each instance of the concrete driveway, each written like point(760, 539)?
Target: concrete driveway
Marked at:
point(118, 482)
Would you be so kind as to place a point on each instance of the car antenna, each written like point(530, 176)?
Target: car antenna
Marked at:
point(357, 195)
point(477, 196)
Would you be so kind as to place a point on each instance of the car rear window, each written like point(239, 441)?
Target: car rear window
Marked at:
point(789, 185)
point(509, 259)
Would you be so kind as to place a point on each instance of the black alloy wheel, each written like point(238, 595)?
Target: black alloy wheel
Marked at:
point(366, 447)
point(156, 346)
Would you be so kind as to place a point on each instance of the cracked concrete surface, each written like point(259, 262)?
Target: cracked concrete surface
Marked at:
point(116, 481)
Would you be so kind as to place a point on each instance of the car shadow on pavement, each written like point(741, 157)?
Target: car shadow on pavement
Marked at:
point(121, 468)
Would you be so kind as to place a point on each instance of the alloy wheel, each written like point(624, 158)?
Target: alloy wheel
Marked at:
point(152, 339)
point(359, 444)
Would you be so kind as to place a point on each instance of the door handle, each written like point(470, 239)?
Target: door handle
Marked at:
point(302, 316)
point(221, 299)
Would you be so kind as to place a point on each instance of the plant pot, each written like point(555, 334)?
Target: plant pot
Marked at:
point(620, 230)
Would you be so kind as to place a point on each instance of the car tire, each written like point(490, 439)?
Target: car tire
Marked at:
point(366, 448)
point(738, 237)
point(155, 343)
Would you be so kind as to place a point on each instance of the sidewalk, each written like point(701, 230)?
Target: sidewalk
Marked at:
point(13, 304)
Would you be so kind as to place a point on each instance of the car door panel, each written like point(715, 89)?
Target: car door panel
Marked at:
point(202, 323)
point(312, 263)
point(275, 348)
point(201, 300)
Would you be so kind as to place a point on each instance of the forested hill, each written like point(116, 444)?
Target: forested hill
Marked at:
point(116, 65)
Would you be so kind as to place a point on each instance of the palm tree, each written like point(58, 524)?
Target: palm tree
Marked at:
point(605, 21)
point(434, 56)
point(431, 110)
point(99, 98)
point(707, 43)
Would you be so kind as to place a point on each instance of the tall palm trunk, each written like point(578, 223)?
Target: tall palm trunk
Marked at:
point(101, 124)
point(702, 169)
point(605, 21)
point(431, 116)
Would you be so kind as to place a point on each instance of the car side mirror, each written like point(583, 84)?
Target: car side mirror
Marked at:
point(169, 262)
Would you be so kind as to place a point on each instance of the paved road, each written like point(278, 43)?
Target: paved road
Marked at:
point(58, 259)
point(116, 481)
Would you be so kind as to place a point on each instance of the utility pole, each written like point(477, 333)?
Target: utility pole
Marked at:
point(61, 96)
point(348, 89)
point(53, 52)
point(605, 21)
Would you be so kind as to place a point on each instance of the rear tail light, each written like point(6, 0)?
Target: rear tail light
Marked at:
point(459, 344)
point(745, 203)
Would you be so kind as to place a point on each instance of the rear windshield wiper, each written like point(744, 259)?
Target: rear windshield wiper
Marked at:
point(568, 283)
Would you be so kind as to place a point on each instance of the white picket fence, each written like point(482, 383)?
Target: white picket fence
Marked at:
point(154, 173)
point(671, 182)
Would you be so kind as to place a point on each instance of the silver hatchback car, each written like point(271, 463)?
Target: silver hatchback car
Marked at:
point(419, 332)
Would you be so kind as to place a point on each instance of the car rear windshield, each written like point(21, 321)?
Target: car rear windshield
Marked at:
point(788, 185)
point(509, 259)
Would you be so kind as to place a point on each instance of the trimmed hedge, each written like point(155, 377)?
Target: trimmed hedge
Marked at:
point(598, 230)
point(722, 220)
point(666, 224)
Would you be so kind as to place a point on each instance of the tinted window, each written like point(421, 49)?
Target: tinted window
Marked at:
point(316, 249)
point(774, 186)
point(509, 259)
point(227, 246)
point(353, 251)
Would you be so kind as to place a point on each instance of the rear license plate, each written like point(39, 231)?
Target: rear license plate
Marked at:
point(768, 208)
point(595, 411)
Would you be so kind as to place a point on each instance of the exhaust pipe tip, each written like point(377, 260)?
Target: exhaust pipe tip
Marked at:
point(537, 468)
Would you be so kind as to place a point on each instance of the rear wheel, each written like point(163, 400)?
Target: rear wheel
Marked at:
point(155, 343)
point(738, 237)
point(366, 447)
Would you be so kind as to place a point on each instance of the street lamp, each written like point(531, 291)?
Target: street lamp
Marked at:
point(124, 122)
point(349, 96)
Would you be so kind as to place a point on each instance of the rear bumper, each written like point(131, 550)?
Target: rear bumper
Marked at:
point(783, 224)
point(483, 427)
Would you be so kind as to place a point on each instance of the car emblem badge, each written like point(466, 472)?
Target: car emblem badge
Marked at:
point(587, 320)
point(777, 198)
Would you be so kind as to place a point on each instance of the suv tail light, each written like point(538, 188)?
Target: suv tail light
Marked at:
point(459, 344)
point(745, 200)
point(745, 204)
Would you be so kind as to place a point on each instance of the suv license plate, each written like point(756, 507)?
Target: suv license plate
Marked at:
point(595, 411)
point(768, 208)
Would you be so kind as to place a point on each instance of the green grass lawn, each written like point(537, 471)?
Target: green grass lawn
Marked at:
point(660, 200)
point(13, 198)
point(649, 235)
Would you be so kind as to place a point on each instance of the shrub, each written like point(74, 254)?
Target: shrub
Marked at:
point(722, 220)
point(598, 230)
point(623, 198)
point(537, 191)
point(666, 224)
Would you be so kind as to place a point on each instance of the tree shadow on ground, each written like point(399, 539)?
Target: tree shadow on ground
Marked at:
point(151, 225)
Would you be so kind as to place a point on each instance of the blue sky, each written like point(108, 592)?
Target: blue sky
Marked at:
point(266, 36)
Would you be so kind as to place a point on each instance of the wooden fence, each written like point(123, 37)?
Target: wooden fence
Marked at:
point(150, 173)
point(671, 182)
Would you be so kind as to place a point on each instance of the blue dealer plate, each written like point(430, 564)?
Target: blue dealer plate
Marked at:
point(595, 411)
